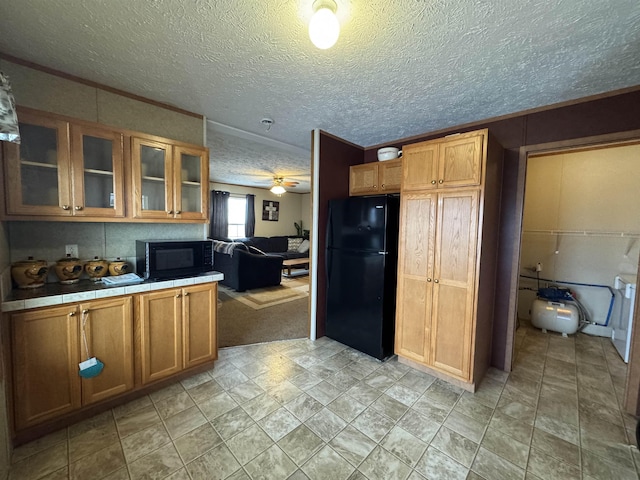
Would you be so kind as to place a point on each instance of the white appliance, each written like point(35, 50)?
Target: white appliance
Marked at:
point(622, 318)
point(560, 317)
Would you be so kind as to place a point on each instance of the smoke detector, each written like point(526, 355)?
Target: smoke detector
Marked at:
point(267, 122)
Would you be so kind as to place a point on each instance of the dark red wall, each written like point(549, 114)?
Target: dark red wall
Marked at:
point(607, 115)
point(336, 156)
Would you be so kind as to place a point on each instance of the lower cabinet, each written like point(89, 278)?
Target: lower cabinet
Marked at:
point(47, 347)
point(178, 329)
point(199, 328)
point(174, 329)
point(108, 326)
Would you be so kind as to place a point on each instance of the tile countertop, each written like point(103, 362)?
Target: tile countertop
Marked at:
point(57, 294)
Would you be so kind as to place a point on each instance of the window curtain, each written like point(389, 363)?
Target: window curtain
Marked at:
point(250, 217)
point(219, 211)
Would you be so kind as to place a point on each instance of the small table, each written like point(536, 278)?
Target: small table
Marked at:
point(301, 263)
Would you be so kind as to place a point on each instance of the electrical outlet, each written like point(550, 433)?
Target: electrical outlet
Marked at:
point(71, 250)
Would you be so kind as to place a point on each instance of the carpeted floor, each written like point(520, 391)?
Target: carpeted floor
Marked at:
point(241, 324)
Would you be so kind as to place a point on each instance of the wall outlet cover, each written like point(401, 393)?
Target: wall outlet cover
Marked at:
point(71, 250)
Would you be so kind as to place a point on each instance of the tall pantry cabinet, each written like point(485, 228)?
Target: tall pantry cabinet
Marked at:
point(449, 216)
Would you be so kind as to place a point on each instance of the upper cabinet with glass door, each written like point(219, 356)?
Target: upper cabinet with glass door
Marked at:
point(191, 173)
point(68, 169)
point(64, 169)
point(169, 181)
point(98, 172)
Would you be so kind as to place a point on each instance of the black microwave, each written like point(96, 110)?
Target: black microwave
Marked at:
point(162, 259)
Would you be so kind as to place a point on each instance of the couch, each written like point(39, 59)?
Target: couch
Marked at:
point(243, 269)
point(281, 246)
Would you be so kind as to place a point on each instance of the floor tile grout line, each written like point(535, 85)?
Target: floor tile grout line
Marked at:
point(539, 390)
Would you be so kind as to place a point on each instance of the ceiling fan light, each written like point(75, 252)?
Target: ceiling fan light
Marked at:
point(277, 190)
point(324, 28)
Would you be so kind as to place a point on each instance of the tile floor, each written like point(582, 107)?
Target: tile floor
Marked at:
point(319, 410)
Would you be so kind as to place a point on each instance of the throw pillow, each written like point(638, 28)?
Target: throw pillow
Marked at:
point(304, 246)
point(293, 243)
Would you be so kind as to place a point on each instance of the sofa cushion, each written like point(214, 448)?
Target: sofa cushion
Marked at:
point(268, 244)
point(289, 255)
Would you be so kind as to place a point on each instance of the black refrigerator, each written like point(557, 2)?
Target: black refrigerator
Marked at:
point(362, 256)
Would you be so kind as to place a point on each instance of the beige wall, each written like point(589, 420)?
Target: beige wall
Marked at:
point(587, 197)
point(293, 208)
point(43, 91)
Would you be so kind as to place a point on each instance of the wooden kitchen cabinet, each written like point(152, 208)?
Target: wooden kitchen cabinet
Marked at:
point(375, 178)
point(177, 329)
point(45, 364)
point(160, 316)
point(169, 182)
point(108, 326)
point(199, 307)
point(67, 169)
point(64, 169)
point(47, 346)
point(446, 264)
point(444, 163)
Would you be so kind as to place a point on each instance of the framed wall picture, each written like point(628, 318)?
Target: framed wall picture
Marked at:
point(270, 210)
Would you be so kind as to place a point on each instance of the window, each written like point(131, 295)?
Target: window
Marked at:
point(237, 211)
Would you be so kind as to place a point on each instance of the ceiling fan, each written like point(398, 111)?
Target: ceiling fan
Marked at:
point(279, 184)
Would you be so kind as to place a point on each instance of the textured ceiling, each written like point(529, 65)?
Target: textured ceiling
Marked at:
point(400, 68)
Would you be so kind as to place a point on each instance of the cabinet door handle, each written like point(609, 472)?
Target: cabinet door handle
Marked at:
point(382, 186)
point(65, 207)
point(441, 181)
point(169, 212)
point(178, 212)
point(78, 207)
point(433, 182)
point(72, 314)
point(186, 294)
point(436, 281)
point(178, 296)
point(85, 311)
point(428, 279)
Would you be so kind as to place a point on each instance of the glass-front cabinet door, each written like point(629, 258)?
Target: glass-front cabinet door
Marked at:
point(152, 179)
point(97, 166)
point(191, 183)
point(37, 170)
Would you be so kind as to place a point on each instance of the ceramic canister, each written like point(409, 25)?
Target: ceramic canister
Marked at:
point(96, 268)
point(29, 273)
point(68, 269)
point(118, 267)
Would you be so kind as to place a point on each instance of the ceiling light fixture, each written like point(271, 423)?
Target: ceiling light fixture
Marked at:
point(277, 188)
point(324, 28)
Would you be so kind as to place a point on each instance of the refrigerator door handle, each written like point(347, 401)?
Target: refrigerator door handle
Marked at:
point(383, 253)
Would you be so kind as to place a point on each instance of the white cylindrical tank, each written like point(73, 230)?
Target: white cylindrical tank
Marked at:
point(555, 316)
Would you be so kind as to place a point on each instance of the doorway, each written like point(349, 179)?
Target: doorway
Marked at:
point(571, 220)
